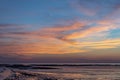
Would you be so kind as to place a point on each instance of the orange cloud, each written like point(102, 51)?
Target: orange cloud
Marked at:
point(76, 25)
point(44, 47)
point(50, 32)
point(91, 30)
point(57, 40)
point(105, 44)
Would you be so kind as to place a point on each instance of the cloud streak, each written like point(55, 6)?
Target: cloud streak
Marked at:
point(62, 39)
point(57, 40)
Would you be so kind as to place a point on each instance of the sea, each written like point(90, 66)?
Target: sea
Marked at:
point(62, 71)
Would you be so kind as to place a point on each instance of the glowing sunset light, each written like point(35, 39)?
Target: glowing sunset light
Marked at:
point(65, 29)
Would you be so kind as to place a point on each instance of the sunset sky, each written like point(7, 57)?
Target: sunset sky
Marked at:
point(67, 31)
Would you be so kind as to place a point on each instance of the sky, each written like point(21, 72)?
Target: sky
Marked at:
point(59, 31)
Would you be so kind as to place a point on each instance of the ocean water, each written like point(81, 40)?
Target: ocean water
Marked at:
point(85, 72)
point(63, 72)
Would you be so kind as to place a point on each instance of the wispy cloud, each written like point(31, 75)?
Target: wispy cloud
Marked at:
point(56, 40)
point(105, 44)
point(47, 40)
point(91, 30)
